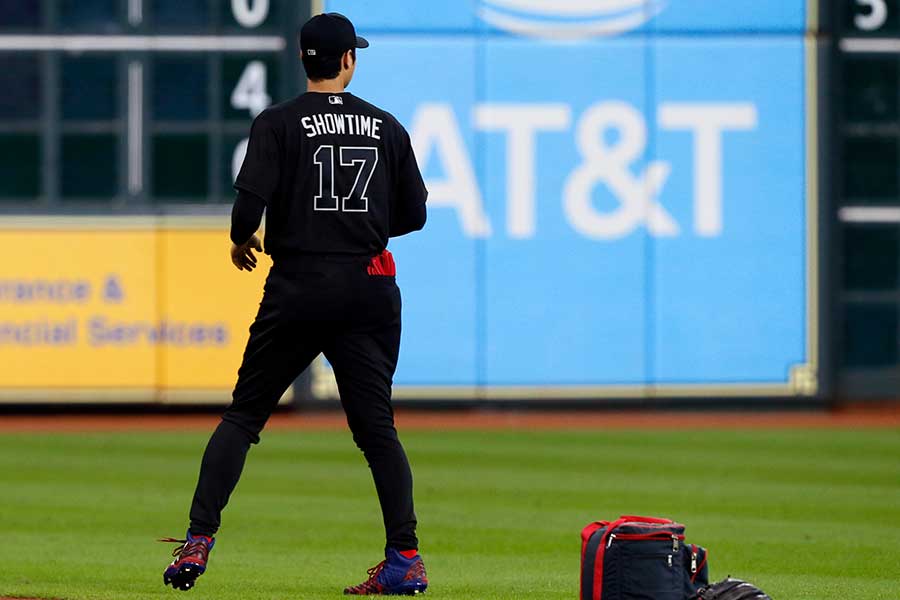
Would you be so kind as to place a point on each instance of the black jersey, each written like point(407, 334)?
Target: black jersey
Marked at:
point(337, 175)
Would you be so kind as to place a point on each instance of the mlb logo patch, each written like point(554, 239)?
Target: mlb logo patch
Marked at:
point(335, 100)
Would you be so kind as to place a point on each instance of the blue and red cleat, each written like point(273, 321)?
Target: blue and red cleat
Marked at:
point(190, 560)
point(396, 575)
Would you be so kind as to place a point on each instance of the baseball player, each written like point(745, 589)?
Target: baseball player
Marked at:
point(337, 177)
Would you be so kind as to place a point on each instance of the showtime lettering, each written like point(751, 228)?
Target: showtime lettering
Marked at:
point(341, 124)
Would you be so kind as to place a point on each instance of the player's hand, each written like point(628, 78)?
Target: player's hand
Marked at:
point(242, 256)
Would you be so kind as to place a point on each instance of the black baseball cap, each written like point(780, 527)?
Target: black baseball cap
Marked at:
point(329, 34)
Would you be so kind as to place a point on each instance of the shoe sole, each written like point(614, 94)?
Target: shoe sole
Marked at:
point(184, 578)
point(410, 593)
point(415, 589)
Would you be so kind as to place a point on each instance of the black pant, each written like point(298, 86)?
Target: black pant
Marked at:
point(311, 305)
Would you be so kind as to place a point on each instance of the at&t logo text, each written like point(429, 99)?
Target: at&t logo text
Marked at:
point(610, 137)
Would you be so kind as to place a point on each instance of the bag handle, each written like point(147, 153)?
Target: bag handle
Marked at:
point(638, 519)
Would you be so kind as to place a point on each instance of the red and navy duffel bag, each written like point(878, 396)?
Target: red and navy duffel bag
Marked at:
point(640, 558)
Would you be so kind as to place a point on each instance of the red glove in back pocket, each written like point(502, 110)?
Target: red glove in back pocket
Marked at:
point(383, 265)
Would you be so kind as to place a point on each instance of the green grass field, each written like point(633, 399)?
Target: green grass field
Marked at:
point(804, 514)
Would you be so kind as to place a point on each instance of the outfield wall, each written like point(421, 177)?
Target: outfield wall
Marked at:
point(623, 204)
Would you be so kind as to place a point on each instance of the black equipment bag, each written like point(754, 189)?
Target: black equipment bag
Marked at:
point(640, 558)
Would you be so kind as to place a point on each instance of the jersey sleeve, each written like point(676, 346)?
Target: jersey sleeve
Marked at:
point(408, 211)
point(246, 215)
point(259, 174)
